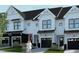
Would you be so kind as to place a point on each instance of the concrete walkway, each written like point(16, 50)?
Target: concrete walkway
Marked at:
point(39, 50)
point(71, 51)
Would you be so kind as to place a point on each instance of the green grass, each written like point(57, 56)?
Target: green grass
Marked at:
point(14, 49)
point(54, 51)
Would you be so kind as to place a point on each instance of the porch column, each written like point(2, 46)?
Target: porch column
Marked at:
point(10, 39)
point(67, 45)
point(58, 41)
point(29, 37)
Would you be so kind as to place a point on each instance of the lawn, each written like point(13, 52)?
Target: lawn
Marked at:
point(13, 49)
point(54, 51)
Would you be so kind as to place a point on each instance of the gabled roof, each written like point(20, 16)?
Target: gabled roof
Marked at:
point(59, 12)
point(63, 12)
point(55, 11)
point(18, 11)
point(31, 14)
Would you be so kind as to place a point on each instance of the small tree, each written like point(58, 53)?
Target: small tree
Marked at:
point(3, 24)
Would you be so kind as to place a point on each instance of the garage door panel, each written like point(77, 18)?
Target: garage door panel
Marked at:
point(46, 43)
point(73, 44)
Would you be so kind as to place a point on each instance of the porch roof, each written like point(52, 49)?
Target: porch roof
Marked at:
point(71, 31)
point(45, 31)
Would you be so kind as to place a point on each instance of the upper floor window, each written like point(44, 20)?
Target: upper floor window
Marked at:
point(17, 25)
point(60, 24)
point(74, 23)
point(46, 24)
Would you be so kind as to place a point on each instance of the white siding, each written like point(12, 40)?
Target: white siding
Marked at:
point(59, 27)
point(11, 26)
point(70, 35)
point(45, 15)
point(31, 28)
point(72, 13)
point(47, 35)
point(13, 14)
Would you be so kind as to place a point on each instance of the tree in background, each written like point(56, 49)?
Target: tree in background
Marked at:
point(3, 24)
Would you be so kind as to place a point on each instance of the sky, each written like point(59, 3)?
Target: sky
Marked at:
point(4, 8)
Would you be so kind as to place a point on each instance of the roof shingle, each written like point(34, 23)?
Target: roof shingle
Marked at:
point(55, 11)
point(31, 14)
point(63, 12)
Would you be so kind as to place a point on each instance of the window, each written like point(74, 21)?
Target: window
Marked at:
point(74, 23)
point(5, 41)
point(46, 24)
point(17, 25)
point(60, 24)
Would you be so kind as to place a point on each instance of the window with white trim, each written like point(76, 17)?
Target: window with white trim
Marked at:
point(46, 24)
point(74, 23)
point(17, 25)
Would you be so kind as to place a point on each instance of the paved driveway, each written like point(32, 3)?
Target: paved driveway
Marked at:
point(39, 50)
point(71, 51)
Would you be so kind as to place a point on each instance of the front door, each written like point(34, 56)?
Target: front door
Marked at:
point(61, 41)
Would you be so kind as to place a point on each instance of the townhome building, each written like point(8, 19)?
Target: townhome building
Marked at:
point(43, 27)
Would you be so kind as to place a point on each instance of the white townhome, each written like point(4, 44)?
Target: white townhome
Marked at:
point(43, 27)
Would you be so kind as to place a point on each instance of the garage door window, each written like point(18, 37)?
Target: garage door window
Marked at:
point(73, 39)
